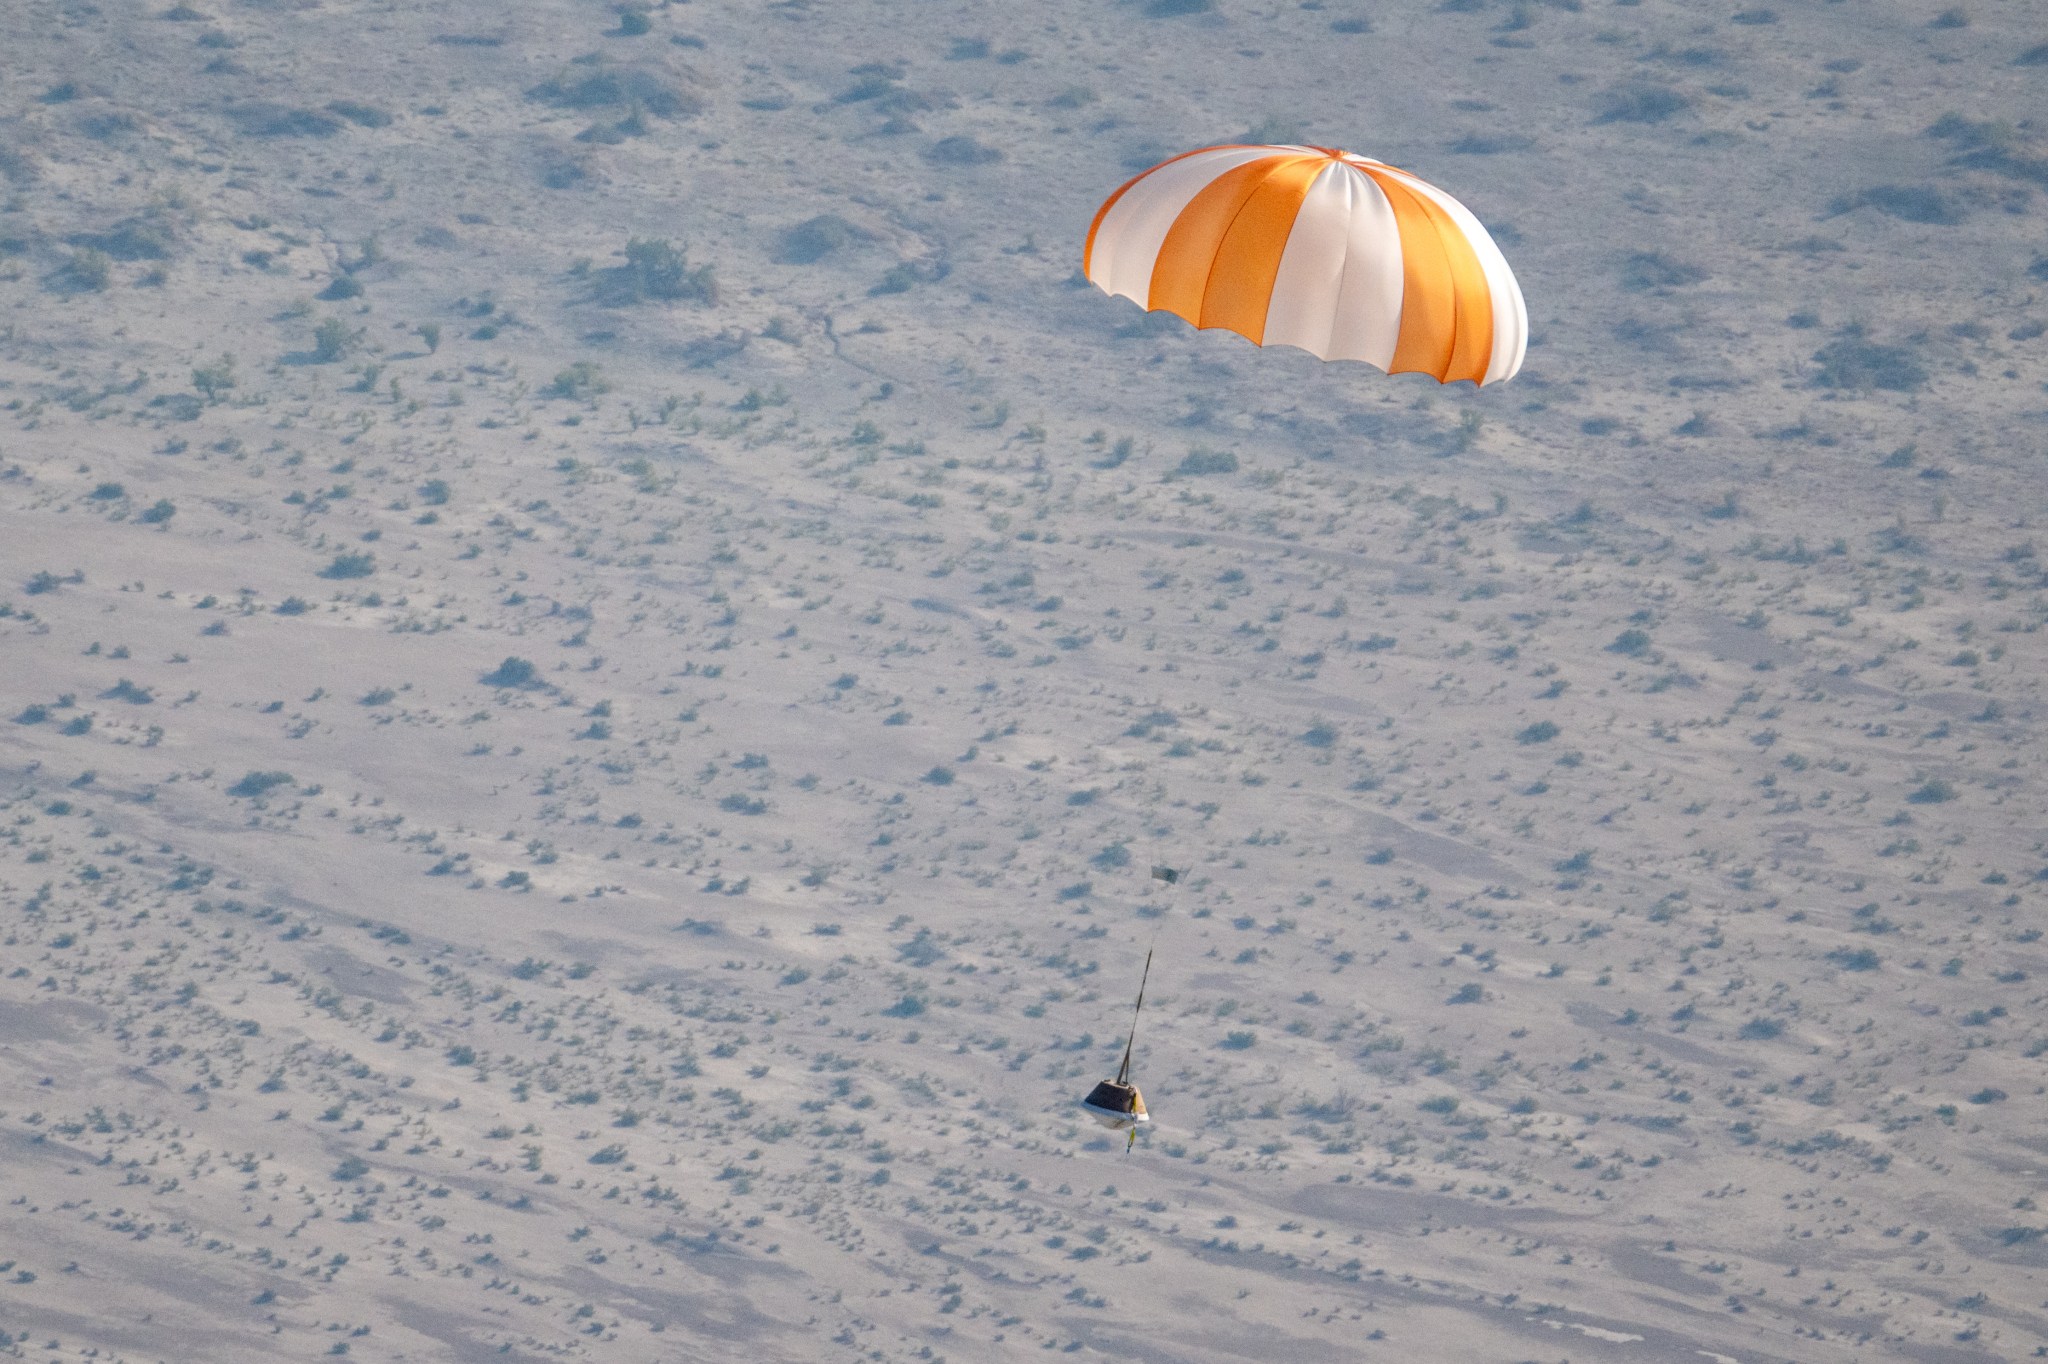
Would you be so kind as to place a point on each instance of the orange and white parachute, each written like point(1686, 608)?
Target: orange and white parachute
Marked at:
point(1346, 257)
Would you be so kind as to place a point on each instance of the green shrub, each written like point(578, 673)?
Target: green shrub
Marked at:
point(351, 565)
point(515, 673)
point(1201, 460)
point(580, 382)
point(215, 379)
point(1641, 103)
point(1633, 643)
point(362, 115)
point(259, 783)
point(656, 270)
point(1852, 362)
point(333, 340)
point(599, 86)
point(88, 269)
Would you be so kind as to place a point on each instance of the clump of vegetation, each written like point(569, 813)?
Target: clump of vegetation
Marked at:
point(580, 382)
point(140, 238)
point(514, 673)
point(962, 150)
point(1645, 271)
point(261, 119)
point(1202, 460)
point(1641, 103)
point(656, 270)
point(360, 114)
point(215, 379)
point(813, 239)
point(595, 85)
point(1855, 362)
point(260, 783)
point(351, 565)
point(333, 340)
point(1912, 203)
point(88, 271)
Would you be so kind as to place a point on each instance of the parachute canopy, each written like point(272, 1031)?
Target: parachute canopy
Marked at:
point(1346, 257)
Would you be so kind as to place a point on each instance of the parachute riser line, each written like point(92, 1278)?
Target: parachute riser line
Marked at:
point(1123, 1072)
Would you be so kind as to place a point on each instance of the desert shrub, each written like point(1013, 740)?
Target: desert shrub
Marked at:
point(261, 119)
point(350, 565)
point(435, 492)
point(962, 150)
point(362, 115)
point(600, 86)
point(909, 1006)
point(1858, 959)
point(2033, 56)
point(1633, 643)
point(813, 239)
point(656, 271)
point(1934, 791)
point(1491, 144)
point(1644, 271)
point(351, 1169)
point(333, 340)
point(1241, 1040)
point(1321, 734)
point(581, 381)
point(341, 287)
point(1201, 460)
point(259, 783)
point(293, 606)
point(1641, 103)
point(1542, 732)
point(514, 673)
point(89, 270)
point(739, 803)
point(131, 239)
point(1912, 203)
point(1469, 993)
point(1110, 858)
point(939, 776)
point(1760, 1029)
point(1174, 9)
point(215, 379)
point(1852, 361)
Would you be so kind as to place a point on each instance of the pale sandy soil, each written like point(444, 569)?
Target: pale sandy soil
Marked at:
point(1613, 928)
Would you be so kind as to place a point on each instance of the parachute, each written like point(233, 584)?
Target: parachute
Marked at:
point(1343, 256)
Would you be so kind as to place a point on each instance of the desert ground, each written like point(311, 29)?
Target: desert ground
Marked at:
point(598, 635)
